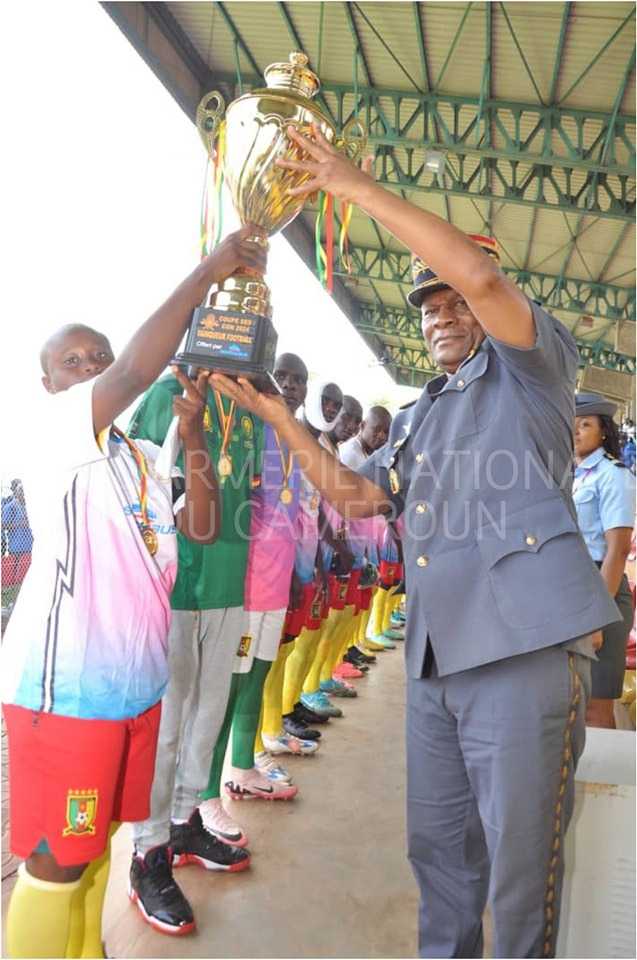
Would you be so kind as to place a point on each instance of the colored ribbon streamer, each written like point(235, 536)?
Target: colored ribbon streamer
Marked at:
point(329, 242)
point(219, 157)
point(321, 258)
point(324, 264)
point(205, 228)
point(211, 223)
point(343, 241)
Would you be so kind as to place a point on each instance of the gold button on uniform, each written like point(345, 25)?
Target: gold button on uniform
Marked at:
point(422, 560)
point(531, 540)
point(419, 457)
point(421, 507)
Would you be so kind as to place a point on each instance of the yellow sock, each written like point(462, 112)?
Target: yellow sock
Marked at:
point(297, 667)
point(378, 611)
point(272, 708)
point(85, 938)
point(38, 916)
point(398, 599)
point(365, 617)
point(328, 627)
point(350, 636)
point(390, 606)
point(336, 645)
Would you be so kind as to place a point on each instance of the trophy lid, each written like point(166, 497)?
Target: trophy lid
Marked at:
point(295, 76)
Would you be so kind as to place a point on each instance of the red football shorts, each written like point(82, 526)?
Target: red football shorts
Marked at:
point(351, 595)
point(295, 619)
point(317, 610)
point(70, 778)
point(390, 573)
point(364, 600)
point(338, 592)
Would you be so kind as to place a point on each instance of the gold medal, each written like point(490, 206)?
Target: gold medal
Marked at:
point(286, 495)
point(314, 502)
point(150, 540)
point(224, 466)
point(224, 463)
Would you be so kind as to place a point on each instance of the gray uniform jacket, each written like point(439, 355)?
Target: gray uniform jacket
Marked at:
point(494, 562)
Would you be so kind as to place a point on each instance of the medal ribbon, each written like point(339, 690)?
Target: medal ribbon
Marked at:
point(331, 447)
point(142, 468)
point(287, 470)
point(226, 420)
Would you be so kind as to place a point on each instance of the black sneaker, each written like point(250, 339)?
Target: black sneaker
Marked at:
point(191, 842)
point(296, 727)
point(356, 656)
point(308, 716)
point(153, 888)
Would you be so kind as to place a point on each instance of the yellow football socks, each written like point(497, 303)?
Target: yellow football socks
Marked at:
point(39, 916)
point(272, 709)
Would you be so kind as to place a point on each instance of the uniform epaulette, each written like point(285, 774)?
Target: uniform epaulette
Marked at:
point(618, 463)
point(406, 406)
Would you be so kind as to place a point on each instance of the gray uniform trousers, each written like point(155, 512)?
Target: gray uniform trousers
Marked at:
point(202, 647)
point(491, 754)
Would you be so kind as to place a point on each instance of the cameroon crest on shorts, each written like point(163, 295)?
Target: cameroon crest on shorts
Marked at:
point(81, 807)
point(244, 645)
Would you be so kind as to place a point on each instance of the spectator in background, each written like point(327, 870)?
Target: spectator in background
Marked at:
point(604, 495)
point(17, 538)
point(628, 451)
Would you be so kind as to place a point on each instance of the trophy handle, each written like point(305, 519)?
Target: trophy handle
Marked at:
point(208, 117)
point(354, 140)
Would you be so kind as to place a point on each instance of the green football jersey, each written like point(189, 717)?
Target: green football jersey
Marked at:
point(213, 576)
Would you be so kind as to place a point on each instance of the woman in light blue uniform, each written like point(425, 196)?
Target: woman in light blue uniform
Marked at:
point(604, 495)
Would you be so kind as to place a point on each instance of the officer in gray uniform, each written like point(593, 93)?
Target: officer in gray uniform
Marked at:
point(501, 591)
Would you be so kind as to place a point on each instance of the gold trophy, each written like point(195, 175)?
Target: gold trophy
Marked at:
point(234, 333)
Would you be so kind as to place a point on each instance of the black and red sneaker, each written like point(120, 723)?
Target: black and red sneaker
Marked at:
point(153, 888)
point(192, 842)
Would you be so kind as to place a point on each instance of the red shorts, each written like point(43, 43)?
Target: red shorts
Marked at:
point(69, 779)
point(365, 595)
point(295, 619)
point(390, 573)
point(352, 587)
point(317, 611)
point(338, 592)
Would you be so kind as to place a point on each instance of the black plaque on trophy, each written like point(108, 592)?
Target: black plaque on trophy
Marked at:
point(233, 343)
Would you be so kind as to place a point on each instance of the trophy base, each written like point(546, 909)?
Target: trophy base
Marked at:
point(233, 343)
point(262, 380)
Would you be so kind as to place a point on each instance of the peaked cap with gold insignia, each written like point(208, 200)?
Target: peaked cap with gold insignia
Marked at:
point(426, 280)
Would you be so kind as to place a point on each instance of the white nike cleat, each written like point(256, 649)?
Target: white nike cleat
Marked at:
point(252, 785)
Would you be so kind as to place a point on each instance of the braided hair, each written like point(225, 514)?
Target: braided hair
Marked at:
point(611, 440)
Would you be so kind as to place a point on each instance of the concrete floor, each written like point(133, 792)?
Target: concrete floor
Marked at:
point(329, 875)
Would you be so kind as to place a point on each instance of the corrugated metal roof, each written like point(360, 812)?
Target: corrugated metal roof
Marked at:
point(532, 102)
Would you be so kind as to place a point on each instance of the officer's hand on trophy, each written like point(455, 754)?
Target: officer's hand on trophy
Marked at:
point(327, 167)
